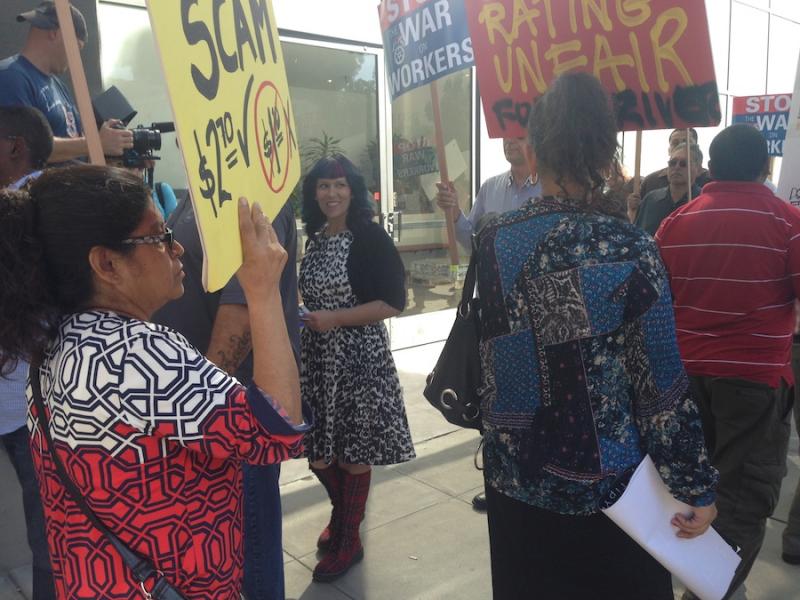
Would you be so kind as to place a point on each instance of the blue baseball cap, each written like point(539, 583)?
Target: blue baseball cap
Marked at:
point(45, 17)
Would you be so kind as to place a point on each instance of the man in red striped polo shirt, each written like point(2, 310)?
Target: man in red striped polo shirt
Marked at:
point(733, 256)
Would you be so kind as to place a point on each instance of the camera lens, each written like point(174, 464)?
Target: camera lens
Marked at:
point(146, 140)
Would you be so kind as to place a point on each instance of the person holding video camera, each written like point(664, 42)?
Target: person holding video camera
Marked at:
point(30, 78)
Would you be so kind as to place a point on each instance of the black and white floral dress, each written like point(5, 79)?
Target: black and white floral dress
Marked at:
point(348, 377)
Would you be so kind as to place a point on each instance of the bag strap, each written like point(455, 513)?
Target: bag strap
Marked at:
point(468, 291)
point(140, 567)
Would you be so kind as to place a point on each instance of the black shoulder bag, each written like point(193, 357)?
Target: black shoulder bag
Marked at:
point(141, 568)
point(452, 386)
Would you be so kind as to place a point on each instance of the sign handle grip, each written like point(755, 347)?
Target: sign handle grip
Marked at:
point(442, 157)
point(79, 84)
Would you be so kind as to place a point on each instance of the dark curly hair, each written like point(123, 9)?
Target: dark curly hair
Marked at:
point(46, 233)
point(361, 209)
point(573, 132)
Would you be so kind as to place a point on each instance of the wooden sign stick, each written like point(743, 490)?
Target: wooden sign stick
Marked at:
point(79, 84)
point(637, 179)
point(442, 156)
point(689, 174)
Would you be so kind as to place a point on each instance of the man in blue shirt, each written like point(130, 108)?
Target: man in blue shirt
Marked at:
point(30, 79)
point(25, 143)
point(498, 194)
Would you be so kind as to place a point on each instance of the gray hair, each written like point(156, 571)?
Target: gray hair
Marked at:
point(694, 151)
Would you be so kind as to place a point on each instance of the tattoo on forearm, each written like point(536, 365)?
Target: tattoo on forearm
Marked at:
point(230, 359)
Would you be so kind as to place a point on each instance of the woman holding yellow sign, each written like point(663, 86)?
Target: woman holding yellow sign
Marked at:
point(137, 439)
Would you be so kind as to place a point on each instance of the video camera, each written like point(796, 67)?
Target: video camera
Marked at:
point(112, 104)
point(145, 141)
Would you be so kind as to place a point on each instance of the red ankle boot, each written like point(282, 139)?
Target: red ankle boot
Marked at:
point(347, 550)
point(331, 479)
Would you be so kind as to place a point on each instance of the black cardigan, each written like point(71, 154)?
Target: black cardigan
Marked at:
point(374, 267)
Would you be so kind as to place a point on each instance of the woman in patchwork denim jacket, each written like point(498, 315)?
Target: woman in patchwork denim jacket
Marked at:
point(582, 376)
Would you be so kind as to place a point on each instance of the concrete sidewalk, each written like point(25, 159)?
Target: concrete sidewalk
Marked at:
point(422, 539)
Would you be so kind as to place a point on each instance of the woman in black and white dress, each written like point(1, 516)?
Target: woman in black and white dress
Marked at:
point(351, 279)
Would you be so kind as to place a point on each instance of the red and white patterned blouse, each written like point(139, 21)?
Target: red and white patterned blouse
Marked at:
point(153, 435)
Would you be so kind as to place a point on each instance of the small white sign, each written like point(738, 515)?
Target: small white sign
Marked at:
point(789, 183)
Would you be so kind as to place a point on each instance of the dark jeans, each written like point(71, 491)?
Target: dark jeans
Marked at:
point(548, 556)
point(263, 551)
point(746, 426)
point(19, 451)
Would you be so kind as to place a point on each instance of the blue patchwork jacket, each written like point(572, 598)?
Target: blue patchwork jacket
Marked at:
point(582, 375)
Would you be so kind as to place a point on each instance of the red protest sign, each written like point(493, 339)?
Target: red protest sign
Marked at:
point(653, 56)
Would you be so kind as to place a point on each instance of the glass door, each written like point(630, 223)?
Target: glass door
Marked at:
point(334, 90)
point(341, 104)
point(418, 224)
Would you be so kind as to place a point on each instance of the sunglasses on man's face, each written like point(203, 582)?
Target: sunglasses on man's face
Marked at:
point(162, 238)
point(674, 162)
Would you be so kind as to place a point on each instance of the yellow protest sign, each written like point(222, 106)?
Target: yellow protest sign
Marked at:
point(227, 84)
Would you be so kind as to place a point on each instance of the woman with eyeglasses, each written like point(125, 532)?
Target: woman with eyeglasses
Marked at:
point(151, 434)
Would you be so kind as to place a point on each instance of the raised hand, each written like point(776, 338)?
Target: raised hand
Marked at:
point(263, 255)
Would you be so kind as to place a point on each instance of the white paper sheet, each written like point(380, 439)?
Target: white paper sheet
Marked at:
point(456, 166)
point(704, 564)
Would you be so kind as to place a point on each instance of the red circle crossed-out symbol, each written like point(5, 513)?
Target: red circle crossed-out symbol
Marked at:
point(268, 105)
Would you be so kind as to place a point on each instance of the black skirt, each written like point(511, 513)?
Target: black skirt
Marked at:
point(541, 555)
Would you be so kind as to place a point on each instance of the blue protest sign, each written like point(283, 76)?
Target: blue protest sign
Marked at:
point(424, 40)
point(769, 114)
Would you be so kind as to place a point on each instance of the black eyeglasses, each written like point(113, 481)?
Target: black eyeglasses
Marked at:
point(162, 238)
point(675, 162)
